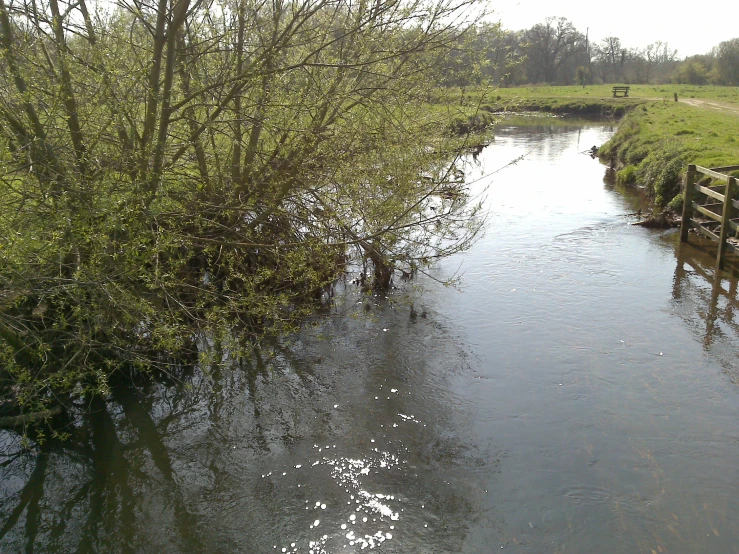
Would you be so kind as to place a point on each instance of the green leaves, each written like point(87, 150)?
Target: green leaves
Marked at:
point(175, 182)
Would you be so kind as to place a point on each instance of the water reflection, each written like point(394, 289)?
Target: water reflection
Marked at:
point(618, 426)
point(709, 299)
point(343, 439)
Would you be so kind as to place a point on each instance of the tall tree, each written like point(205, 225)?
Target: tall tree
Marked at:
point(182, 172)
point(611, 58)
point(727, 61)
point(549, 46)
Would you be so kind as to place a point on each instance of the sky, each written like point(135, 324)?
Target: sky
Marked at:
point(691, 28)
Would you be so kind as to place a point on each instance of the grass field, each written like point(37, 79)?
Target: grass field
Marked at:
point(729, 95)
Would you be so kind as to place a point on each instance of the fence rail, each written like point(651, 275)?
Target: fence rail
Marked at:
point(721, 212)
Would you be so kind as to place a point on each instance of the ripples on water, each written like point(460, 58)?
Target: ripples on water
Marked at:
point(575, 394)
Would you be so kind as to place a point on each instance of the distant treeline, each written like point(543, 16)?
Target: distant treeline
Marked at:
point(555, 52)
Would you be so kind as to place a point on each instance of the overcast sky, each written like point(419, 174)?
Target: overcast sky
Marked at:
point(691, 28)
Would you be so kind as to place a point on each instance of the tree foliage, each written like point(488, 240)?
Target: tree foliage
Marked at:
point(727, 62)
point(549, 46)
point(718, 67)
point(178, 173)
point(553, 51)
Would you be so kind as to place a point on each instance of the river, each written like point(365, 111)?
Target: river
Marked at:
point(576, 391)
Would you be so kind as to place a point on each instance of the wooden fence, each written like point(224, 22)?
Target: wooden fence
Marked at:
point(717, 206)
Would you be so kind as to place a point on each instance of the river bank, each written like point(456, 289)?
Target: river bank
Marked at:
point(655, 143)
point(662, 128)
point(479, 111)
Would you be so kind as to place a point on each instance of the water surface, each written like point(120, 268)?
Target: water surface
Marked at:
point(576, 392)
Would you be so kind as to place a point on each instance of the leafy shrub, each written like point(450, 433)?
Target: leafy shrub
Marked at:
point(626, 176)
point(629, 128)
point(660, 171)
point(637, 152)
point(676, 204)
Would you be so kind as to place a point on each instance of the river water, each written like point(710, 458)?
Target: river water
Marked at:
point(577, 391)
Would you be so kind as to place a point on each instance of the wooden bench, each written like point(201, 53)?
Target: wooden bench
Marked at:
point(620, 91)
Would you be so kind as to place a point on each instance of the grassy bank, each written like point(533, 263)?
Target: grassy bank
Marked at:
point(657, 136)
point(478, 108)
point(636, 92)
point(656, 142)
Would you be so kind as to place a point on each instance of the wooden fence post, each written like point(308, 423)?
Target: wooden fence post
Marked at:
point(725, 225)
point(687, 203)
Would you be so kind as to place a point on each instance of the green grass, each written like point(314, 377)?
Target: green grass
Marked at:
point(660, 138)
point(729, 95)
point(710, 136)
point(555, 100)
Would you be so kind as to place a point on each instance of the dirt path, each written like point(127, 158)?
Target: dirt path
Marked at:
point(712, 104)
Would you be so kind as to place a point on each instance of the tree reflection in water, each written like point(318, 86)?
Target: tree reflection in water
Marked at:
point(229, 458)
